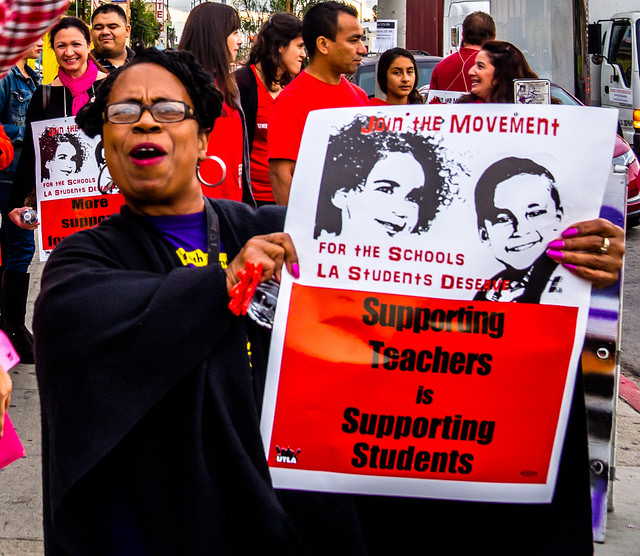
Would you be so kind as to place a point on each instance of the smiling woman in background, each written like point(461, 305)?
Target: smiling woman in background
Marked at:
point(497, 64)
point(275, 59)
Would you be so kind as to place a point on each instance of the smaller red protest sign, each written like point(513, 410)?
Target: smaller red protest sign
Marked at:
point(62, 217)
point(74, 190)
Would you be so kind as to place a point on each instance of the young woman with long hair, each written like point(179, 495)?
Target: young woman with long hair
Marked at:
point(275, 59)
point(212, 34)
point(397, 76)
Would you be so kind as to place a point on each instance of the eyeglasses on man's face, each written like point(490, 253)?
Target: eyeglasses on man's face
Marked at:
point(163, 111)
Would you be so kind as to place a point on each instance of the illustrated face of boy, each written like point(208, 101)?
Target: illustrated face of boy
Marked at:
point(523, 224)
point(386, 204)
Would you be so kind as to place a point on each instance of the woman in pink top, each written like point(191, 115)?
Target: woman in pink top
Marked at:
point(275, 59)
point(212, 34)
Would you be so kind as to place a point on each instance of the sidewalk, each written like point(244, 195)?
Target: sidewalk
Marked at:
point(623, 524)
point(20, 483)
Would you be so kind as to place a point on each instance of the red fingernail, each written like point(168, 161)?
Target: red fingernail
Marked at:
point(295, 270)
point(555, 255)
point(570, 232)
point(570, 267)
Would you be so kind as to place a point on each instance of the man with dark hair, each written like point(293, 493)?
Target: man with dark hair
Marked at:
point(109, 33)
point(452, 73)
point(333, 37)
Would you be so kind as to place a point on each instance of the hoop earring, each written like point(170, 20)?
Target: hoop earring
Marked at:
point(109, 186)
point(223, 166)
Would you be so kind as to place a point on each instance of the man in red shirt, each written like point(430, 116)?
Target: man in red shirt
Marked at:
point(452, 73)
point(333, 37)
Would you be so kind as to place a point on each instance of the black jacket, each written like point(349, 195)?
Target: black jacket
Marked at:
point(150, 402)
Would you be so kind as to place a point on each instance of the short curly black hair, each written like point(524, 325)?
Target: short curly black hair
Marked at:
point(206, 99)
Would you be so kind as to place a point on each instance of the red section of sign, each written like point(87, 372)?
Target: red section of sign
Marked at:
point(62, 217)
point(445, 391)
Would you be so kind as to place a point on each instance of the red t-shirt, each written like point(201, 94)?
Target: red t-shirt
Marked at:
point(452, 73)
point(375, 101)
point(225, 142)
point(6, 149)
point(290, 110)
point(260, 184)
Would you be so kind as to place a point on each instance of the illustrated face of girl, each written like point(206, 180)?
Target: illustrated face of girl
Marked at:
point(71, 50)
point(386, 204)
point(292, 56)
point(401, 78)
point(234, 41)
point(523, 224)
point(481, 74)
point(63, 164)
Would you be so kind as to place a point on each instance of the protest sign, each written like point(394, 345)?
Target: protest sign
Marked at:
point(396, 366)
point(73, 186)
point(435, 96)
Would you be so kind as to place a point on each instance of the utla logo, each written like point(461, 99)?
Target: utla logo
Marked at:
point(287, 455)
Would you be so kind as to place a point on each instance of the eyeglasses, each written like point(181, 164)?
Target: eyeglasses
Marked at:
point(163, 111)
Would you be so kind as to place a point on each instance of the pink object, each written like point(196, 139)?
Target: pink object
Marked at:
point(79, 85)
point(8, 355)
point(570, 232)
point(555, 255)
point(11, 448)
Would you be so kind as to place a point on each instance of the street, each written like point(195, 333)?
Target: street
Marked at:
point(20, 483)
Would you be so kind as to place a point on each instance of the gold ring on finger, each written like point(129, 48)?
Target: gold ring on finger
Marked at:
point(605, 245)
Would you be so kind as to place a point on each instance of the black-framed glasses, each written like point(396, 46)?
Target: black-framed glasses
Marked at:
point(163, 111)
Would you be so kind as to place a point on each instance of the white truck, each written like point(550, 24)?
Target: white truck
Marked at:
point(615, 70)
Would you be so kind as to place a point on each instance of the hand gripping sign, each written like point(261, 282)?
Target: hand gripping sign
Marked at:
point(430, 347)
